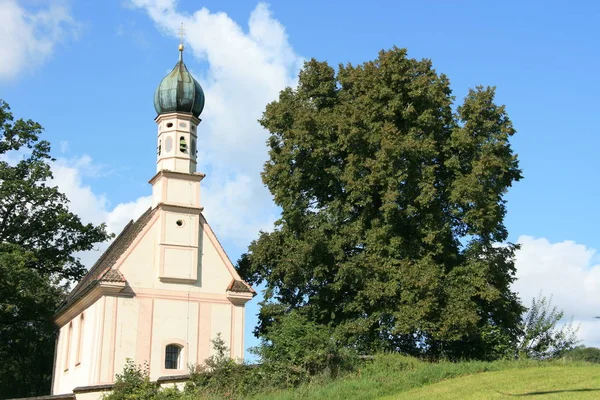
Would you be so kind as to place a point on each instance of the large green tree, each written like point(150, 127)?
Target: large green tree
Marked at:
point(39, 239)
point(392, 210)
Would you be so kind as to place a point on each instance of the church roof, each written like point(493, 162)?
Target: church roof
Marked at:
point(101, 271)
point(240, 287)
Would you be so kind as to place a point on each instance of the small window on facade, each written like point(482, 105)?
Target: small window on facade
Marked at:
point(168, 144)
point(182, 144)
point(68, 346)
point(169, 124)
point(182, 124)
point(172, 356)
point(159, 146)
point(194, 151)
point(193, 128)
point(179, 222)
point(80, 341)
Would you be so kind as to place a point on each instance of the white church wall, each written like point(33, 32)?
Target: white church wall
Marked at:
point(176, 323)
point(221, 323)
point(75, 364)
point(183, 192)
point(125, 345)
point(214, 277)
point(180, 229)
point(158, 192)
point(237, 346)
point(137, 267)
point(108, 334)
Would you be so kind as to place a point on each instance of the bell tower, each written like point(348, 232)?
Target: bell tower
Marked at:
point(176, 150)
point(178, 100)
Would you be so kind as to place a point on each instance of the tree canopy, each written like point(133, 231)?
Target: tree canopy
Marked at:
point(392, 210)
point(39, 240)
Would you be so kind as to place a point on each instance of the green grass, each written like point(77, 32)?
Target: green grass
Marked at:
point(557, 382)
point(395, 377)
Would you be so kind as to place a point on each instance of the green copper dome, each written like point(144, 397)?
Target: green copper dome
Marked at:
point(179, 91)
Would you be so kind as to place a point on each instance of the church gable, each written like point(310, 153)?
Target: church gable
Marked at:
point(178, 251)
point(102, 270)
point(133, 259)
point(236, 284)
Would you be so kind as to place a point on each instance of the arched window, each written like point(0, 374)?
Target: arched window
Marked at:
point(182, 144)
point(68, 345)
point(173, 356)
point(80, 340)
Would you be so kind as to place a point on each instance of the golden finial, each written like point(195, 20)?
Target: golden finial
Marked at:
point(181, 34)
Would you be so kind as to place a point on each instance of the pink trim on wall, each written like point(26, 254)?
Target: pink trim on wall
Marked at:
point(144, 331)
point(113, 340)
point(80, 339)
point(243, 311)
point(101, 344)
point(204, 331)
point(67, 358)
point(180, 295)
point(232, 333)
point(90, 351)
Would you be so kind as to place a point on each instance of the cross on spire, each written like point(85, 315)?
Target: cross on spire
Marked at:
point(181, 34)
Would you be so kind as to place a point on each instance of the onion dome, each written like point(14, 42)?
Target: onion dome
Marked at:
point(179, 91)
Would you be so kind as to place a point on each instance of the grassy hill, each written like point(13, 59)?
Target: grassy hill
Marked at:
point(395, 377)
point(556, 382)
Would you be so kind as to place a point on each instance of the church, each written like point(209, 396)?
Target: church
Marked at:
point(164, 288)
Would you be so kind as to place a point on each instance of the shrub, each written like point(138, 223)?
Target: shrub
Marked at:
point(133, 384)
point(294, 349)
point(541, 338)
point(221, 375)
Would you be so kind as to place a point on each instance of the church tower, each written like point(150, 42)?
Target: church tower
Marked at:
point(178, 101)
point(164, 288)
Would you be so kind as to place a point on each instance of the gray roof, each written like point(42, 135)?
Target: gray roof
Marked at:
point(240, 287)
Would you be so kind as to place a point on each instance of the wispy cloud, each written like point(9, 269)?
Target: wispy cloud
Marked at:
point(27, 38)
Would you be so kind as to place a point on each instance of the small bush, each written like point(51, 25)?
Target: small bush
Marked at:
point(541, 338)
point(295, 349)
point(133, 384)
point(219, 375)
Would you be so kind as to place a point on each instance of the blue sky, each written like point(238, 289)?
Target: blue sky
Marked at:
point(87, 72)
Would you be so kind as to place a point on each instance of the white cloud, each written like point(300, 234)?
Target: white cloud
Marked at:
point(233, 196)
point(90, 206)
point(246, 70)
point(28, 38)
point(569, 273)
